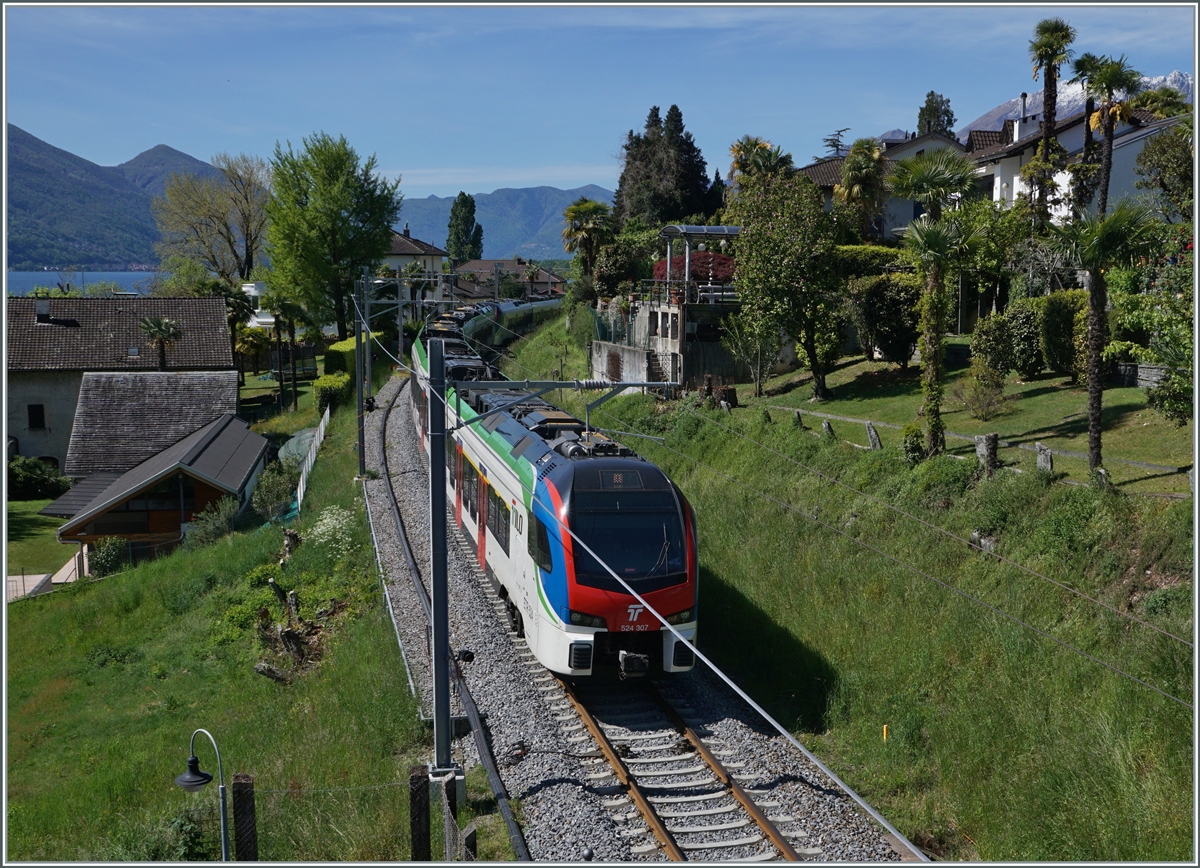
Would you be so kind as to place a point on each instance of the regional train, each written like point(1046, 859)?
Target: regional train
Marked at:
point(518, 479)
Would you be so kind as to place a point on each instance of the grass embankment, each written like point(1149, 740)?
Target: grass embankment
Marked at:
point(1002, 744)
point(32, 546)
point(108, 679)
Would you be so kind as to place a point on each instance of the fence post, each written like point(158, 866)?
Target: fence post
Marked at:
point(245, 822)
point(469, 851)
point(985, 451)
point(873, 437)
point(418, 812)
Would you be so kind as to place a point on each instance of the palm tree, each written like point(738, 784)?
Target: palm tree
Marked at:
point(238, 309)
point(1049, 49)
point(742, 151)
point(248, 344)
point(1113, 82)
point(937, 247)
point(531, 273)
point(161, 333)
point(1085, 67)
point(863, 181)
point(1162, 102)
point(1097, 243)
point(932, 179)
point(771, 163)
point(589, 227)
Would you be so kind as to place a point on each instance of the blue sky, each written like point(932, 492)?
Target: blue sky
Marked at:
point(480, 97)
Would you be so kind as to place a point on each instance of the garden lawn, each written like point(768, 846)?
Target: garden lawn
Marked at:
point(108, 679)
point(31, 545)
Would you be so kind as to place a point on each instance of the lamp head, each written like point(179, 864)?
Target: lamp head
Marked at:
point(193, 779)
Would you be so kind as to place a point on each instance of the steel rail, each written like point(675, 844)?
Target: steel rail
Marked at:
point(769, 829)
point(486, 758)
point(657, 826)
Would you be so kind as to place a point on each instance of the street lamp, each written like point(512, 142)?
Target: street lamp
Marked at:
point(194, 780)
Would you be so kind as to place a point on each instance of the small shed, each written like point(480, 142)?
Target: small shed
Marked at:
point(152, 503)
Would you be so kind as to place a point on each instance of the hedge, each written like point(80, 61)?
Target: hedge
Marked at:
point(332, 390)
point(339, 357)
point(860, 260)
point(1058, 328)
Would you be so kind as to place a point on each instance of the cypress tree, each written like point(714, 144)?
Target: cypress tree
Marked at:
point(464, 240)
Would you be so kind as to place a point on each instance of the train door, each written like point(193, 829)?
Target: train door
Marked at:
point(482, 519)
point(457, 475)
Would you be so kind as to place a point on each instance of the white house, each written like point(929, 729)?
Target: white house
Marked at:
point(1000, 155)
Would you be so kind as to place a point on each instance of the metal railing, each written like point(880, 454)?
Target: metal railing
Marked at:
point(678, 291)
point(310, 459)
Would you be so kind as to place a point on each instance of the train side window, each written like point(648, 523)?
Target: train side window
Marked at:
point(498, 518)
point(539, 544)
point(451, 451)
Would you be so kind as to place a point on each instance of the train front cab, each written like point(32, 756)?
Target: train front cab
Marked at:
point(646, 534)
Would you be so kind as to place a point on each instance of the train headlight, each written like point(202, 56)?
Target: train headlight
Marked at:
point(583, 619)
point(682, 617)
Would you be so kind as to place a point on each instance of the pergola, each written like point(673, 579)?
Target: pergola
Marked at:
point(699, 234)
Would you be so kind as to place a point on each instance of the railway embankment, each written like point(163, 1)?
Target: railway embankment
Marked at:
point(1027, 699)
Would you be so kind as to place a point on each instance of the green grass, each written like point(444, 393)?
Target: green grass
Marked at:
point(32, 546)
point(107, 680)
point(1003, 745)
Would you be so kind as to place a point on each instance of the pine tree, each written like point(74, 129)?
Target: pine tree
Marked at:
point(935, 116)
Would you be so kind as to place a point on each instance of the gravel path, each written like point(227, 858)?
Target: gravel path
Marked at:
point(540, 757)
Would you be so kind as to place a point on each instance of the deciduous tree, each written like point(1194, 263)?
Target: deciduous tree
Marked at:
point(219, 222)
point(785, 266)
point(1165, 166)
point(331, 215)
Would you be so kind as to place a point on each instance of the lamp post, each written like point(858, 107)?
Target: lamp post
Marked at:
point(194, 780)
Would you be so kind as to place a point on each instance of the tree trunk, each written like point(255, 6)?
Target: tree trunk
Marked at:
point(162, 354)
point(1089, 109)
point(820, 390)
point(279, 357)
point(933, 329)
point(1106, 162)
point(339, 310)
point(1049, 107)
point(292, 359)
point(1097, 302)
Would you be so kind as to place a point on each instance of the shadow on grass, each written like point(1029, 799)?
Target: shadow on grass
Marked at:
point(791, 680)
point(885, 383)
point(1077, 424)
point(28, 525)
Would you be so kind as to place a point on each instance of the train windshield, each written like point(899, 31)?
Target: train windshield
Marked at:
point(638, 534)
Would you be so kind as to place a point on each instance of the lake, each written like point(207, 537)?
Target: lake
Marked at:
point(23, 282)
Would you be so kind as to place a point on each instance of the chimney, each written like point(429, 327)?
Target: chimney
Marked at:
point(406, 235)
point(1024, 96)
point(41, 309)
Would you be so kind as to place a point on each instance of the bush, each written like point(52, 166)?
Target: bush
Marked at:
point(339, 357)
point(1024, 330)
point(273, 494)
point(863, 260)
point(1172, 397)
point(1079, 338)
point(991, 347)
point(34, 479)
point(981, 391)
point(913, 443)
point(214, 522)
point(883, 308)
point(107, 556)
point(1058, 329)
point(332, 390)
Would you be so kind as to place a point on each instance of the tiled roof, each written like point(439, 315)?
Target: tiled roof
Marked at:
point(96, 334)
point(514, 267)
point(123, 419)
point(1140, 118)
point(223, 453)
point(977, 140)
point(827, 173)
point(404, 245)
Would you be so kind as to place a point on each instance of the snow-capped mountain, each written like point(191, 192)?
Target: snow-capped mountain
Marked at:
point(1071, 101)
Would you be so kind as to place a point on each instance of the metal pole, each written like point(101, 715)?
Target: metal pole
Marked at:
point(220, 789)
point(367, 287)
point(496, 288)
point(437, 541)
point(358, 379)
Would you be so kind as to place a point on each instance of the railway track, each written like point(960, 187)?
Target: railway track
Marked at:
point(697, 777)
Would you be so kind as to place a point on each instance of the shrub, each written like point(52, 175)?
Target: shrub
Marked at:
point(981, 391)
point(1024, 330)
point(108, 555)
point(34, 479)
point(332, 390)
point(339, 357)
point(883, 308)
point(862, 260)
point(913, 443)
point(1058, 329)
point(991, 346)
point(1172, 397)
point(273, 494)
point(214, 522)
point(1079, 372)
point(333, 532)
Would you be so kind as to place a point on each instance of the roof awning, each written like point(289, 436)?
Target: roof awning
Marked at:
point(690, 232)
